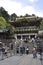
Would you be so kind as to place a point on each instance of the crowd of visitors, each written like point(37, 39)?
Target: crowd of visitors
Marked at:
point(4, 49)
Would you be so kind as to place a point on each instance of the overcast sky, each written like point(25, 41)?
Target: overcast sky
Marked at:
point(21, 7)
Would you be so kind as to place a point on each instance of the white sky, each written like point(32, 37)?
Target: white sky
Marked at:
point(13, 6)
point(33, 1)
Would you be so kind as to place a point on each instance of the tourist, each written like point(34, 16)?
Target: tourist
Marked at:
point(11, 49)
point(34, 52)
point(27, 50)
point(21, 50)
point(2, 52)
point(6, 51)
point(40, 52)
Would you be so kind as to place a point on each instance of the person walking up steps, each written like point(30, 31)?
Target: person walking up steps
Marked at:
point(27, 51)
point(40, 52)
point(35, 52)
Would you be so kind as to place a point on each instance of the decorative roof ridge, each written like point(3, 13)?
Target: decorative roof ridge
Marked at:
point(26, 17)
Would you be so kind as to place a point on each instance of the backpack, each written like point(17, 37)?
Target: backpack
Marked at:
point(36, 49)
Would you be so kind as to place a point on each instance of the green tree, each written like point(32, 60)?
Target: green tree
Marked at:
point(4, 13)
point(27, 15)
point(33, 15)
point(13, 16)
point(41, 25)
point(3, 23)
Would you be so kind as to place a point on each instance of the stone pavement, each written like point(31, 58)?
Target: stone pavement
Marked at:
point(21, 60)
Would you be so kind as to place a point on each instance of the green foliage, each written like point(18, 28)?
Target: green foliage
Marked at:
point(13, 16)
point(4, 13)
point(41, 26)
point(33, 15)
point(27, 15)
point(11, 28)
point(3, 23)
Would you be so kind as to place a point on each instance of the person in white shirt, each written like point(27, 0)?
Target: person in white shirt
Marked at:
point(27, 50)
